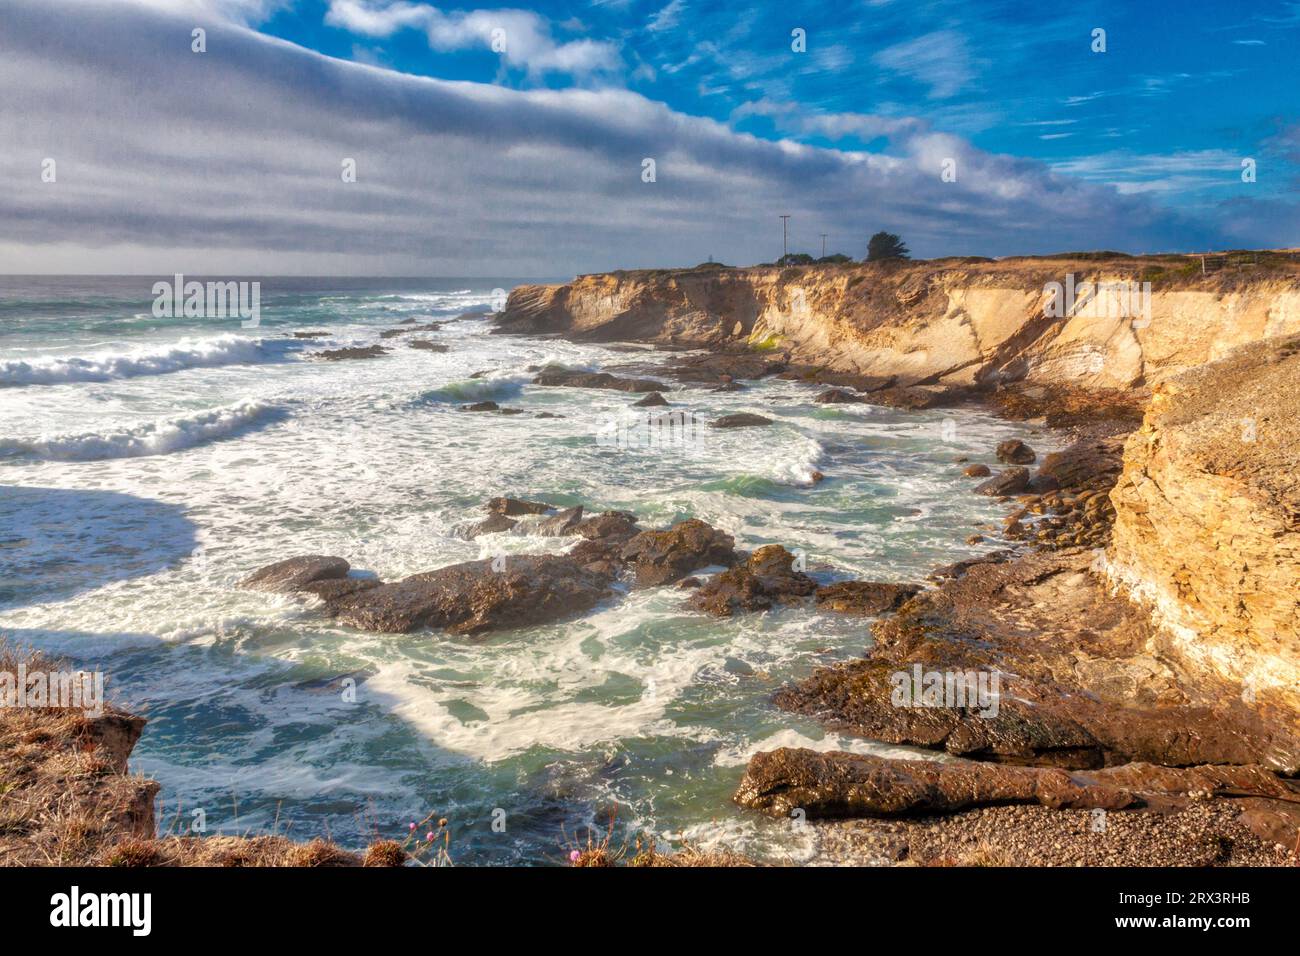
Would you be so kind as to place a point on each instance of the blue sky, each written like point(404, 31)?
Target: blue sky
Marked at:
point(1055, 145)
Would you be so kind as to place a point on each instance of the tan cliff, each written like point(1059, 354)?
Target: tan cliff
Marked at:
point(942, 321)
point(1207, 529)
point(1207, 526)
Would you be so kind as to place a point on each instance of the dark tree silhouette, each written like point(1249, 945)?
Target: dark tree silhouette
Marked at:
point(886, 245)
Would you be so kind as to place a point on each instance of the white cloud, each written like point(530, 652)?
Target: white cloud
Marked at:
point(940, 60)
point(523, 38)
point(229, 161)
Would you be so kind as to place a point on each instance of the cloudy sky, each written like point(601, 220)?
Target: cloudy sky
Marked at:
point(511, 141)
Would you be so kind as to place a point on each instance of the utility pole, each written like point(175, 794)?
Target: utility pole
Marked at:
point(785, 221)
point(823, 245)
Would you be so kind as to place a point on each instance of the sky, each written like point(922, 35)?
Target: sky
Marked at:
point(373, 137)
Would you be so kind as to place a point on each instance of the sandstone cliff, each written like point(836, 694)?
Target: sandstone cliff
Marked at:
point(1207, 527)
point(950, 321)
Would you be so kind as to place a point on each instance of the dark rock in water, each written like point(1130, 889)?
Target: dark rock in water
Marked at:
point(1012, 481)
point(724, 367)
point(473, 315)
point(573, 379)
point(662, 557)
point(547, 415)
point(1041, 484)
point(480, 373)
point(976, 471)
point(818, 477)
point(764, 580)
point(512, 411)
point(651, 400)
point(975, 539)
point(293, 574)
point(838, 396)
point(864, 597)
point(1015, 452)
point(311, 335)
point(740, 420)
point(560, 524)
point(426, 346)
point(472, 597)
point(408, 329)
point(687, 584)
point(918, 397)
point(837, 784)
point(514, 507)
point(336, 588)
point(1085, 464)
point(354, 352)
point(492, 525)
point(611, 524)
point(481, 407)
point(861, 383)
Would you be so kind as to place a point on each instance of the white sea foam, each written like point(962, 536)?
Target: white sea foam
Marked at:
point(158, 360)
point(152, 438)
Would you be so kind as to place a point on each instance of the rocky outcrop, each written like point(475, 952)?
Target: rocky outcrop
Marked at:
point(864, 598)
point(1207, 526)
point(766, 579)
point(662, 557)
point(577, 379)
point(826, 785)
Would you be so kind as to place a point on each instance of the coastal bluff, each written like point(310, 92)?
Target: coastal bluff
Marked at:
point(1207, 528)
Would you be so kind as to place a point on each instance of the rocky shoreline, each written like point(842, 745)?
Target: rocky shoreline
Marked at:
point(1132, 647)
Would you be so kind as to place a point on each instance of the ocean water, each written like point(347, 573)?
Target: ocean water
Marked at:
point(146, 465)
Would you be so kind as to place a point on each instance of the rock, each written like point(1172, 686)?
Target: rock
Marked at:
point(559, 524)
point(817, 477)
point(740, 420)
point(1012, 481)
point(481, 407)
point(724, 367)
point(353, 352)
point(762, 581)
point(492, 525)
point(864, 597)
point(471, 598)
point(409, 328)
point(1041, 484)
point(975, 539)
point(686, 584)
point(838, 396)
point(311, 335)
point(617, 525)
point(976, 471)
point(1015, 452)
point(427, 346)
point(662, 557)
point(652, 400)
point(1079, 683)
point(514, 507)
point(575, 379)
point(293, 574)
point(837, 784)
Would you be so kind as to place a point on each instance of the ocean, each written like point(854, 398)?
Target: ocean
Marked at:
point(148, 464)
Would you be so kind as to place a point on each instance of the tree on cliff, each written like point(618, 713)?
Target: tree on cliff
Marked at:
point(886, 245)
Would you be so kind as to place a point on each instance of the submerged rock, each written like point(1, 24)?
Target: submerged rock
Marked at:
point(292, 574)
point(427, 346)
point(575, 379)
point(740, 420)
point(654, 399)
point(481, 407)
point(764, 580)
point(492, 525)
point(976, 471)
point(838, 396)
point(559, 524)
point(353, 352)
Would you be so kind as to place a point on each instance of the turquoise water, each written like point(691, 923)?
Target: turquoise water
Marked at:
point(147, 464)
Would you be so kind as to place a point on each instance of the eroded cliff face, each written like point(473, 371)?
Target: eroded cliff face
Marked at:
point(1207, 527)
point(940, 322)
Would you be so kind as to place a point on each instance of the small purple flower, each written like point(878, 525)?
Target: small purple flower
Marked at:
point(429, 836)
point(575, 856)
point(412, 826)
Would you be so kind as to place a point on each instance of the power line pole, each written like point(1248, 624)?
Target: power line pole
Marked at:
point(785, 221)
point(823, 245)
